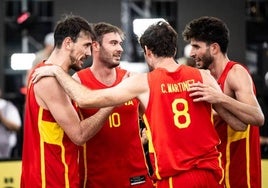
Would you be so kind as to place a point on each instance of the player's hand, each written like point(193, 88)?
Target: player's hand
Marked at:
point(43, 72)
point(144, 138)
point(202, 92)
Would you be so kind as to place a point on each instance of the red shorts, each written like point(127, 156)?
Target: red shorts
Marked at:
point(196, 178)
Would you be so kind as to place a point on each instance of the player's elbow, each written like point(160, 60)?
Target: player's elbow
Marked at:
point(81, 102)
point(260, 120)
point(257, 118)
point(79, 141)
point(238, 125)
point(242, 127)
point(83, 138)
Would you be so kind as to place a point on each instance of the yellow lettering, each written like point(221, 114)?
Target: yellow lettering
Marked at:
point(176, 87)
point(163, 88)
point(129, 103)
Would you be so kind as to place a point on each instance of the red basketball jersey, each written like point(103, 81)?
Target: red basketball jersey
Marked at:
point(49, 157)
point(114, 157)
point(240, 150)
point(181, 133)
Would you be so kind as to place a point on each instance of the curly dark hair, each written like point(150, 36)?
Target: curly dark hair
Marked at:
point(161, 39)
point(208, 30)
point(71, 26)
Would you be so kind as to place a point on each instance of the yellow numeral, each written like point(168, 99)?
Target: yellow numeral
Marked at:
point(182, 111)
point(114, 120)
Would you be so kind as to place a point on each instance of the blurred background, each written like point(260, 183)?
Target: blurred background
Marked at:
point(24, 24)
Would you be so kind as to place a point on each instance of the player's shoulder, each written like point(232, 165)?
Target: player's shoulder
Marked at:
point(205, 73)
point(47, 85)
point(238, 71)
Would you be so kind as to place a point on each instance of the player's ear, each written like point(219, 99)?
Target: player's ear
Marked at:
point(95, 45)
point(215, 48)
point(67, 42)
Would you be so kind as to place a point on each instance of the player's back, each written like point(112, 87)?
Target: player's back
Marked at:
point(182, 132)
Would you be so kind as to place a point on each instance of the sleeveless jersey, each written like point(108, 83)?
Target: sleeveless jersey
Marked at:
point(240, 150)
point(181, 135)
point(49, 157)
point(114, 157)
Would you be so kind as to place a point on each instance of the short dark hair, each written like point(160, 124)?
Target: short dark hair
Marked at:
point(208, 30)
point(102, 28)
point(71, 26)
point(161, 39)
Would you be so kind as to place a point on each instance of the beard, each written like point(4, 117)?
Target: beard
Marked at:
point(108, 58)
point(207, 60)
point(75, 67)
point(108, 62)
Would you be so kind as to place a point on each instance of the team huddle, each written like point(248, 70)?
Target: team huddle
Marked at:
point(85, 130)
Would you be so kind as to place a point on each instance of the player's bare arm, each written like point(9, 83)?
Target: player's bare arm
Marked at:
point(209, 91)
point(240, 98)
point(86, 98)
point(60, 106)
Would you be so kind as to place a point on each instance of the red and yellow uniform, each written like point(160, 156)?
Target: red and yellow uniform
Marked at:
point(182, 138)
point(114, 157)
point(49, 157)
point(240, 150)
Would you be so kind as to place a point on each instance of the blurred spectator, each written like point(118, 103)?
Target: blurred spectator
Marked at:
point(44, 53)
point(186, 59)
point(41, 55)
point(264, 129)
point(266, 79)
point(10, 123)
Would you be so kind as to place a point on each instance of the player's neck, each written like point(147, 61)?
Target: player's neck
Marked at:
point(104, 74)
point(58, 57)
point(218, 66)
point(167, 63)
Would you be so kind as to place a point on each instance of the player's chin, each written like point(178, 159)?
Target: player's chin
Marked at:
point(199, 64)
point(77, 67)
point(117, 61)
point(80, 64)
